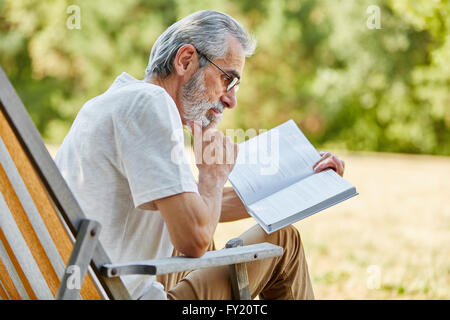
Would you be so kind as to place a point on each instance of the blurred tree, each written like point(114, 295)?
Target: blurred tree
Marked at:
point(431, 81)
point(349, 86)
point(346, 85)
point(56, 69)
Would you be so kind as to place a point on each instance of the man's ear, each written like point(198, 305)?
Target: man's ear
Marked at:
point(186, 60)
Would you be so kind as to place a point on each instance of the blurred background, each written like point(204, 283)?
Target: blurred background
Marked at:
point(367, 80)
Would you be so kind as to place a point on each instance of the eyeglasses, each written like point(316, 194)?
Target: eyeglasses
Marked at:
point(233, 82)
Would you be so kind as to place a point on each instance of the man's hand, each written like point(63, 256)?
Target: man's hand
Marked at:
point(329, 161)
point(215, 154)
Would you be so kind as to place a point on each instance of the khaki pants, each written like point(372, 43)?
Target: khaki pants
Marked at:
point(285, 277)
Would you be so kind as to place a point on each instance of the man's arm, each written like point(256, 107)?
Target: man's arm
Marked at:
point(200, 215)
point(192, 218)
point(232, 207)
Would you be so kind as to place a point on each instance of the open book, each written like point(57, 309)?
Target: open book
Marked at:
point(274, 178)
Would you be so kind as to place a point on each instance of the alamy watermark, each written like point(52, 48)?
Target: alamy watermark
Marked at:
point(374, 19)
point(74, 19)
point(74, 280)
point(263, 151)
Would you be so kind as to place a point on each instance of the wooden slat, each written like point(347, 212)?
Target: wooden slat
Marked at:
point(8, 283)
point(18, 255)
point(31, 210)
point(38, 157)
point(13, 273)
point(45, 208)
point(3, 294)
point(17, 266)
point(28, 233)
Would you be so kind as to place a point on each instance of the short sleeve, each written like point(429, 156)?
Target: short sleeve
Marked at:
point(150, 142)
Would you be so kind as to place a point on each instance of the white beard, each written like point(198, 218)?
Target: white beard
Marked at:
point(195, 102)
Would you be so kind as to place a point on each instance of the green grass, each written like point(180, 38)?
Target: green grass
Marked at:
point(399, 225)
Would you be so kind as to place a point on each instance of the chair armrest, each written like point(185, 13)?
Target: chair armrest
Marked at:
point(215, 258)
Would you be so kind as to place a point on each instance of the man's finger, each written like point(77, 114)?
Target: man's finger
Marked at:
point(330, 163)
point(339, 165)
point(324, 155)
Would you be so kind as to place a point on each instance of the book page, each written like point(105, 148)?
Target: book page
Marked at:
point(301, 196)
point(272, 161)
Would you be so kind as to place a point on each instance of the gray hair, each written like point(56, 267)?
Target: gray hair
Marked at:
point(206, 30)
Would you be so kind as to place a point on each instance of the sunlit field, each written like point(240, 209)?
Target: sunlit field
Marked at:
point(389, 242)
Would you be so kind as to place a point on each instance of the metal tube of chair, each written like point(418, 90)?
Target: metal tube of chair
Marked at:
point(79, 261)
point(238, 275)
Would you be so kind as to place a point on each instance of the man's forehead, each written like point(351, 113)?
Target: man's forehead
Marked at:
point(234, 60)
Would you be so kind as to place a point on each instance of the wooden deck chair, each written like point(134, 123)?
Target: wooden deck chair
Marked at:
point(46, 242)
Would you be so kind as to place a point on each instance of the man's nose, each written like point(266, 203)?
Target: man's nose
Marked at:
point(229, 99)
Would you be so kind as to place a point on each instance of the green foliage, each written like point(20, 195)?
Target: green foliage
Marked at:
point(346, 85)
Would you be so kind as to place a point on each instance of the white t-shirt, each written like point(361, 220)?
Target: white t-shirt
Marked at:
point(125, 149)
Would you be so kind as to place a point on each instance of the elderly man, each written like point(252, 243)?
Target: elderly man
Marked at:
point(117, 159)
